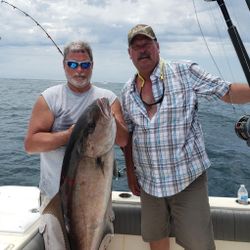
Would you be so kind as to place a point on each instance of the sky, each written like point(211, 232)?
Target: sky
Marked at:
point(26, 51)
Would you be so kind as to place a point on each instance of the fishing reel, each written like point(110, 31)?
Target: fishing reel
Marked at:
point(242, 128)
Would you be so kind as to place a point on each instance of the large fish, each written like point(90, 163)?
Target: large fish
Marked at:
point(86, 180)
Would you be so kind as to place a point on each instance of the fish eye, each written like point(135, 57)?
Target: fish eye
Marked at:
point(91, 127)
point(99, 160)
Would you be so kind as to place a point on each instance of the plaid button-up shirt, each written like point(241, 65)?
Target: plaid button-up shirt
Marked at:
point(168, 149)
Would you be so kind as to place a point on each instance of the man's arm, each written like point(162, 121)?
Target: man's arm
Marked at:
point(131, 176)
point(122, 131)
point(39, 137)
point(238, 93)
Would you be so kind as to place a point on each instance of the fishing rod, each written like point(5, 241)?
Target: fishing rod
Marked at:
point(38, 24)
point(248, 4)
point(242, 126)
point(236, 39)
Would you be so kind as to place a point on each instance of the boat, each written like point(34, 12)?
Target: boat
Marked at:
point(19, 205)
point(19, 221)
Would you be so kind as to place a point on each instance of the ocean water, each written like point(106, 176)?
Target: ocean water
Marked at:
point(229, 155)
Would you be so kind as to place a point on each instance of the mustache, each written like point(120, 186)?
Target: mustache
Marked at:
point(79, 75)
point(143, 56)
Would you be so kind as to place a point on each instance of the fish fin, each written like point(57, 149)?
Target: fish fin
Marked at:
point(100, 163)
point(107, 235)
point(106, 241)
point(115, 170)
point(109, 218)
point(54, 208)
point(52, 232)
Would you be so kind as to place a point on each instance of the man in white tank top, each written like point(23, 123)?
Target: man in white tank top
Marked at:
point(54, 114)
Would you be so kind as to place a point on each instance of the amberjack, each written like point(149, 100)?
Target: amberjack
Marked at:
point(86, 180)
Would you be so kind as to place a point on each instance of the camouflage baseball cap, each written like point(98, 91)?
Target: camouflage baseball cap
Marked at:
point(141, 29)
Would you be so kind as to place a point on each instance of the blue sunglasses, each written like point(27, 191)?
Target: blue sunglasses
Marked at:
point(74, 64)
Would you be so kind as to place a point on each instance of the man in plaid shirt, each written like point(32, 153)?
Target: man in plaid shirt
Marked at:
point(165, 158)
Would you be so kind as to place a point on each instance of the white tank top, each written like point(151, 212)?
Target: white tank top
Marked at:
point(67, 106)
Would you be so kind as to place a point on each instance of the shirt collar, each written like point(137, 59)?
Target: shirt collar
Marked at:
point(156, 74)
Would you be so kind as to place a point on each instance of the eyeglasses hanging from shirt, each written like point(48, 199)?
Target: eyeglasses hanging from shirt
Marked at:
point(162, 77)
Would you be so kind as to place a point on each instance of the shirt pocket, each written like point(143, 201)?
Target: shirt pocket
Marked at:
point(177, 109)
point(174, 100)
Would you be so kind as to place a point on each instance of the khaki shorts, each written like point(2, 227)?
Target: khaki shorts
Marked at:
point(188, 211)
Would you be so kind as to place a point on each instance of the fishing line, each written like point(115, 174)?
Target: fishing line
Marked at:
point(38, 24)
point(242, 126)
point(205, 41)
point(211, 55)
point(222, 43)
point(236, 20)
point(240, 107)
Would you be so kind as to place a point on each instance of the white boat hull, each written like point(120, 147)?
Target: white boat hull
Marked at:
point(19, 220)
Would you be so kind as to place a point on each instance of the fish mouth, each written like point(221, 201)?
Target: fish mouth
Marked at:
point(103, 104)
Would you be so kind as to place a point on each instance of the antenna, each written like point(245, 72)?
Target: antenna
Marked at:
point(38, 24)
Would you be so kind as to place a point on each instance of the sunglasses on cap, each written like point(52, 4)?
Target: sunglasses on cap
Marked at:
point(74, 64)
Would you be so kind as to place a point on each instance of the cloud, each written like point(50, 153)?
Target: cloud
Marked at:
point(105, 23)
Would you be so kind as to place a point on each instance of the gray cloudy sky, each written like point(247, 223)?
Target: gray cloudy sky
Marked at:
point(26, 52)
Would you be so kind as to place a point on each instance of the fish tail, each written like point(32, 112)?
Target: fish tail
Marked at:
point(54, 208)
